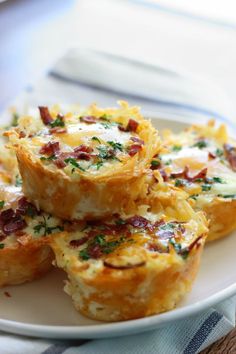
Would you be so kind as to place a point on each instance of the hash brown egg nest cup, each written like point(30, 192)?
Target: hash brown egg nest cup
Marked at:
point(24, 252)
point(131, 266)
point(201, 161)
point(85, 165)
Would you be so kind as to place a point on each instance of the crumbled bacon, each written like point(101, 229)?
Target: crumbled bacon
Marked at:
point(16, 223)
point(26, 208)
point(88, 119)
point(230, 153)
point(11, 222)
point(82, 152)
point(45, 115)
point(164, 175)
point(60, 163)
point(138, 221)
point(132, 125)
point(95, 251)
point(22, 134)
point(185, 174)
point(51, 148)
point(211, 156)
point(57, 130)
point(83, 148)
point(134, 149)
point(137, 140)
point(122, 128)
point(7, 294)
point(77, 243)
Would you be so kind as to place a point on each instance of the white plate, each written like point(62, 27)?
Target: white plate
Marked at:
point(42, 309)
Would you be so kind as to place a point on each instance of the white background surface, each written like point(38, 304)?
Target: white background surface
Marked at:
point(33, 34)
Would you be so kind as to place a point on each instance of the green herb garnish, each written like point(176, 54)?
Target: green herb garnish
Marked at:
point(2, 202)
point(206, 187)
point(74, 163)
point(155, 163)
point(227, 196)
point(180, 182)
point(2, 246)
point(94, 138)
point(176, 148)
point(18, 181)
point(169, 227)
point(43, 226)
point(58, 122)
point(105, 152)
point(194, 196)
point(15, 118)
point(84, 254)
point(50, 158)
point(200, 144)
point(219, 152)
point(115, 146)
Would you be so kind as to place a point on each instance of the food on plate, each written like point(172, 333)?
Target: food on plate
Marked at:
point(24, 253)
point(131, 266)
point(88, 164)
point(202, 162)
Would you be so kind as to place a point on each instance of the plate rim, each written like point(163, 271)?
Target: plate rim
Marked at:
point(114, 329)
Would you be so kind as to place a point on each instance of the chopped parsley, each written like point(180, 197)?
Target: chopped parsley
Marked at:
point(84, 254)
point(155, 163)
point(18, 181)
point(176, 148)
point(227, 196)
point(2, 246)
point(2, 202)
point(178, 248)
point(50, 158)
point(168, 162)
point(107, 124)
point(43, 227)
point(200, 144)
point(116, 146)
point(219, 152)
point(58, 122)
point(95, 138)
point(105, 247)
point(74, 163)
point(105, 152)
point(15, 118)
point(98, 165)
point(206, 187)
point(194, 196)
point(180, 182)
point(218, 180)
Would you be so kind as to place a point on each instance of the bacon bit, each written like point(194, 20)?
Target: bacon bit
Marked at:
point(185, 174)
point(59, 163)
point(95, 251)
point(124, 267)
point(153, 247)
point(57, 130)
point(11, 222)
point(7, 294)
point(6, 215)
point(77, 243)
point(230, 153)
point(15, 224)
point(83, 156)
point(121, 128)
point(83, 148)
point(138, 221)
point(164, 175)
point(22, 134)
point(133, 149)
point(211, 156)
point(137, 140)
point(88, 119)
point(2, 237)
point(25, 207)
point(114, 229)
point(132, 125)
point(45, 115)
point(50, 148)
point(72, 225)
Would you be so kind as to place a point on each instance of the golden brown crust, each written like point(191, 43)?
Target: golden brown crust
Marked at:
point(23, 263)
point(85, 194)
